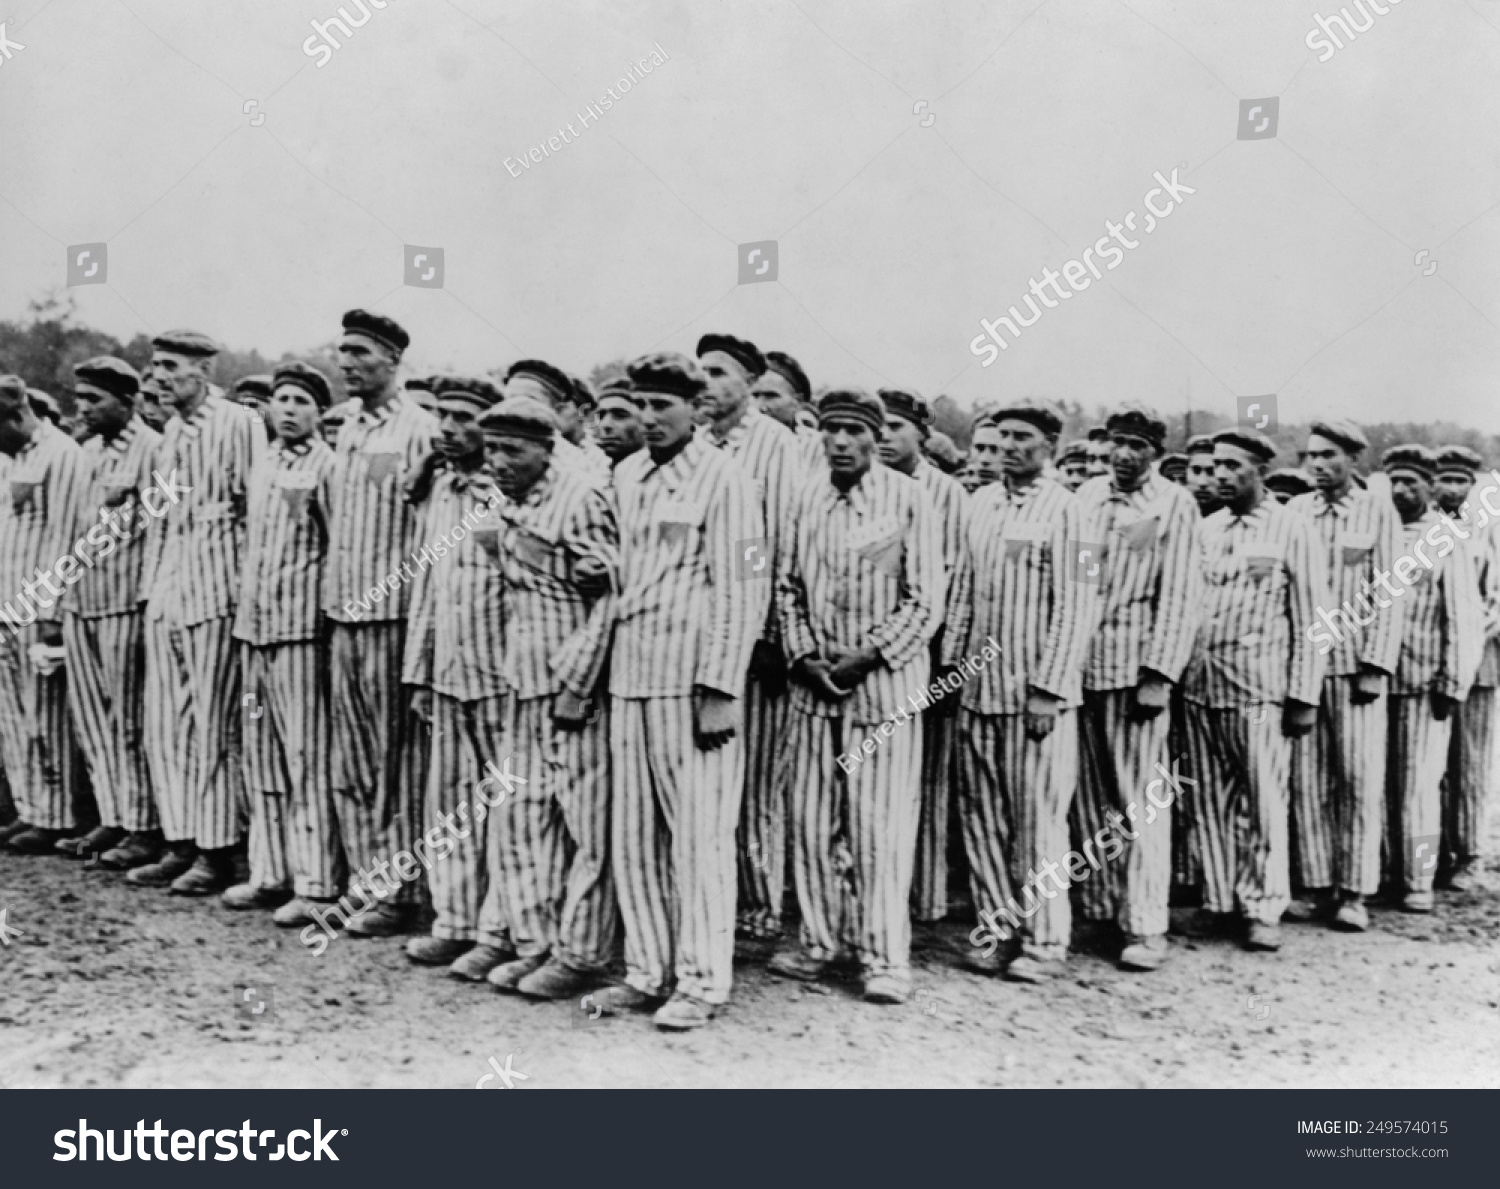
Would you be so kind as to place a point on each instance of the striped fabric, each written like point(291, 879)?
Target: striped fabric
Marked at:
point(810, 448)
point(863, 567)
point(109, 518)
point(672, 846)
point(1014, 793)
point(554, 637)
point(456, 640)
point(1016, 583)
point(1443, 629)
point(1338, 781)
point(36, 735)
point(1265, 578)
point(684, 617)
point(1152, 588)
point(167, 709)
point(39, 487)
point(196, 577)
point(294, 838)
point(854, 839)
point(1414, 807)
point(588, 462)
point(107, 697)
point(1241, 758)
point(376, 528)
point(552, 838)
point(208, 661)
point(1470, 776)
point(291, 496)
point(1360, 536)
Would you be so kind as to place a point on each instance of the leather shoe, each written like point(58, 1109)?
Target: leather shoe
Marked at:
point(797, 964)
point(507, 977)
point(177, 860)
point(1464, 876)
point(297, 913)
point(35, 841)
point(95, 842)
point(135, 851)
point(1411, 902)
point(19, 826)
point(556, 981)
point(1026, 969)
point(1261, 936)
point(621, 998)
point(436, 951)
point(381, 920)
point(682, 1013)
point(474, 966)
point(1352, 916)
point(1144, 953)
point(244, 895)
point(209, 873)
point(887, 988)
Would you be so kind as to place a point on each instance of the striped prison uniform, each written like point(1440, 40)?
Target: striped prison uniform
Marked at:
point(39, 486)
point(103, 627)
point(1338, 771)
point(380, 745)
point(1020, 587)
point(1265, 576)
point(860, 567)
point(767, 451)
point(1443, 630)
point(552, 833)
point(195, 577)
point(684, 620)
point(588, 460)
point(1150, 599)
point(294, 838)
point(1471, 750)
point(929, 890)
point(455, 647)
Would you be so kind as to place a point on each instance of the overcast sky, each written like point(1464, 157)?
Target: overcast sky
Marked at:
point(1292, 268)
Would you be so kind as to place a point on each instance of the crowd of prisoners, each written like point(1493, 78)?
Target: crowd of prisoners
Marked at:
point(569, 686)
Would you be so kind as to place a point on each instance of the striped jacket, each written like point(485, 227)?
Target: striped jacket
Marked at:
point(281, 586)
point(1265, 577)
point(554, 636)
point(1443, 632)
point(195, 567)
point(950, 501)
point(862, 567)
point(455, 638)
point(688, 614)
point(1152, 589)
point(767, 451)
point(1019, 581)
point(111, 520)
point(375, 529)
point(39, 488)
point(1359, 536)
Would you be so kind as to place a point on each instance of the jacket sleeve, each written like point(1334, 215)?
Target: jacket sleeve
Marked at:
point(1307, 590)
point(1179, 596)
point(915, 619)
point(736, 609)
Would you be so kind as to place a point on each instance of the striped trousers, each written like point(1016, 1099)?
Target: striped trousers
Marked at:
point(168, 707)
point(106, 694)
point(552, 837)
point(1418, 752)
point(1187, 870)
point(379, 755)
point(36, 736)
point(467, 887)
point(929, 891)
point(1471, 771)
point(760, 845)
point(672, 841)
point(1338, 779)
point(1014, 795)
point(1119, 756)
point(1242, 761)
point(855, 838)
point(293, 830)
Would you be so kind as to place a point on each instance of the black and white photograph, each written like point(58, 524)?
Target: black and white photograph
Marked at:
point(753, 544)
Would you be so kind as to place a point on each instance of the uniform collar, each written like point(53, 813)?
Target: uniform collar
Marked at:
point(737, 433)
point(384, 413)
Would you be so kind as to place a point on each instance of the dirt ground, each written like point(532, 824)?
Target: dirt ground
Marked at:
point(109, 986)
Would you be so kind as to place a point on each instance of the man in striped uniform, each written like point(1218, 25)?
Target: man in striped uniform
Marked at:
point(559, 549)
point(209, 448)
point(455, 658)
point(1022, 593)
point(254, 393)
point(102, 621)
point(731, 422)
point(1200, 480)
point(859, 595)
point(1471, 758)
point(380, 744)
point(293, 836)
point(1441, 639)
point(1338, 777)
point(618, 422)
point(1100, 451)
point(1251, 687)
point(686, 623)
point(1073, 464)
point(1151, 592)
point(781, 392)
point(40, 471)
point(908, 420)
